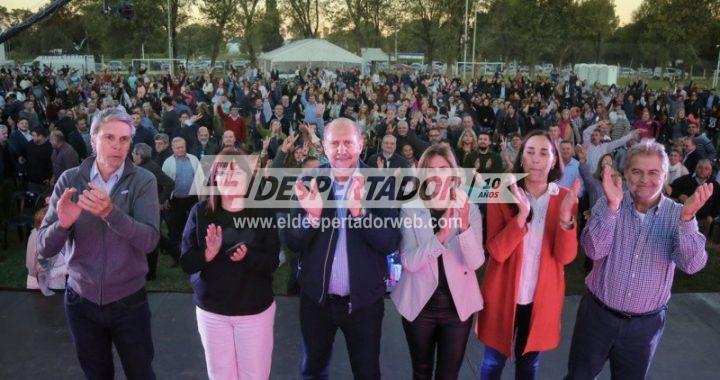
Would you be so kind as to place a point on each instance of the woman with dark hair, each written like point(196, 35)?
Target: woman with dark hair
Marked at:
point(230, 261)
point(529, 243)
point(438, 292)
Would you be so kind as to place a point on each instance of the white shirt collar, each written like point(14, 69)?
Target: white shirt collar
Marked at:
point(95, 172)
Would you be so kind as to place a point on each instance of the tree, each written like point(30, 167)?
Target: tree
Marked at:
point(247, 22)
point(598, 23)
point(304, 17)
point(363, 19)
point(192, 40)
point(532, 30)
point(222, 12)
point(269, 27)
point(672, 29)
point(437, 23)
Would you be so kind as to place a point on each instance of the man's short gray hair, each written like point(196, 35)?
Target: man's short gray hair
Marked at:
point(109, 115)
point(178, 139)
point(162, 137)
point(390, 137)
point(58, 135)
point(704, 161)
point(143, 150)
point(648, 147)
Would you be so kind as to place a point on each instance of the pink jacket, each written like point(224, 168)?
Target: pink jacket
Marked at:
point(462, 254)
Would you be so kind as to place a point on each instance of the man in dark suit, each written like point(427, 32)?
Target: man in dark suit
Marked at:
point(692, 156)
point(204, 145)
point(142, 157)
point(343, 269)
point(684, 187)
point(387, 158)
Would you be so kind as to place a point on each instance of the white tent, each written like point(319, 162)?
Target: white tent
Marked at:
point(309, 52)
point(374, 55)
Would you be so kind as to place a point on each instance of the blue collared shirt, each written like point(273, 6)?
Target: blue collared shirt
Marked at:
point(635, 255)
point(570, 173)
point(108, 185)
point(184, 175)
point(340, 273)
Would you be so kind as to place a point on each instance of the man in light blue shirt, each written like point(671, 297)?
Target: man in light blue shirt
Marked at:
point(181, 167)
point(572, 166)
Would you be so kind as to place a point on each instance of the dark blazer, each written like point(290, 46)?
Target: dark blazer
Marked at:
point(395, 161)
point(687, 184)
point(211, 148)
point(367, 250)
point(691, 160)
point(165, 184)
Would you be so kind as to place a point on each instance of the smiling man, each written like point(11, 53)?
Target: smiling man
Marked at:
point(636, 239)
point(106, 214)
point(343, 269)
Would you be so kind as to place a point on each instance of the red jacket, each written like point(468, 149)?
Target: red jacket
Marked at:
point(236, 125)
point(495, 323)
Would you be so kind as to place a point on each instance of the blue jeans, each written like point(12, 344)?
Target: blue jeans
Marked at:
point(599, 335)
point(124, 323)
point(362, 329)
point(526, 366)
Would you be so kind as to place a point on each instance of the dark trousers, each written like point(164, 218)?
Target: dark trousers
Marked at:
point(362, 329)
point(526, 366)
point(152, 260)
point(437, 329)
point(95, 329)
point(600, 335)
point(177, 217)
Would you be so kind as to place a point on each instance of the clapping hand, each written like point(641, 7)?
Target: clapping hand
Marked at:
point(355, 195)
point(522, 202)
point(68, 211)
point(462, 208)
point(567, 208)
point(309, 199)
point(612, 187)
point(696, 201)
point(213, 241)
point(96, 201)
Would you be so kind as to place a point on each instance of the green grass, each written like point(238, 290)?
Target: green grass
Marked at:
point(658, 84)
point(13, 274)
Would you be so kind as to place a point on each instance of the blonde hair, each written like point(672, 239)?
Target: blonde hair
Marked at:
point(474, 136)
point(441, 150)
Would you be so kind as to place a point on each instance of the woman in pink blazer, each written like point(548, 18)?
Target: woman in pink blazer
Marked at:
point(438, 291)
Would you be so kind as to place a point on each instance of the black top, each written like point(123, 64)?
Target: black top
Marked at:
point(687, 184)
point(170, 122)
point(443, 287)
point(223, 286)
point(39, 163)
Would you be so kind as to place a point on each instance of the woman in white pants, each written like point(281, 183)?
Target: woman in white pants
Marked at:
point(231, 266)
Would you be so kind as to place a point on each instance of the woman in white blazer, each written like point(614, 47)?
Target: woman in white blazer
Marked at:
point(438, 291)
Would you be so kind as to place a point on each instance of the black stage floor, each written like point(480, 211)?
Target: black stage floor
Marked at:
point(34, 341)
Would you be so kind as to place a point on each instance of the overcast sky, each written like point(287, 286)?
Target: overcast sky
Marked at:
point(623, 8)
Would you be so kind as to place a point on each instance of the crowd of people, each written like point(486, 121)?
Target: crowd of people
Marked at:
point(117, 156)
